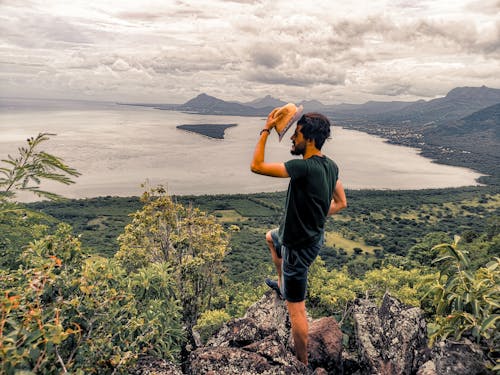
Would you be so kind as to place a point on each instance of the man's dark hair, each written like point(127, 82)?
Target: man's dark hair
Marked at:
point(315, 126)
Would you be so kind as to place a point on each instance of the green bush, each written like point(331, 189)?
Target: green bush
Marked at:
point(185, 239)
point(64, 311)
point(466, 302)
point(209, 322)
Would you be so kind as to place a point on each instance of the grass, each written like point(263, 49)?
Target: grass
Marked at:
point(333, 239)
point(229, 216)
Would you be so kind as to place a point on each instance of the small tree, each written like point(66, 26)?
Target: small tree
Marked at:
point(188, 240)
point(26, 171)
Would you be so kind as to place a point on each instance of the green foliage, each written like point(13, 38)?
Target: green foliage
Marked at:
point(98, 220)
point(424, 251)
point(466, 301)
point(331, 292)
point(18, 226)
point(209, 322)
point(241, 295)
point(63, 311)
point(26, 171)
point(409, 286)
point(191, 242)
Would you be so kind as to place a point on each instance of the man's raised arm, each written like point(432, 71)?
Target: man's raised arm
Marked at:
point(258, 164)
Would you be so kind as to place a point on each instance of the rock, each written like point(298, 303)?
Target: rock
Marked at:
point(391, 339)
point(325, 344)
point(458, 358)
point(259, 343)
point(267, 316)
point(266, 356)
point(320, 371)
point(154, 366)
point(428, 368)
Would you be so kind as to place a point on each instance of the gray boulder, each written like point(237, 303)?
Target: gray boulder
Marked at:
point(391, 339)
point(458, 358)
point(259, 343)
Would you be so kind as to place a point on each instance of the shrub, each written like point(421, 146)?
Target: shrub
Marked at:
point(189, 241)
point(466, 301)
point(209, 322)
point(63, 311)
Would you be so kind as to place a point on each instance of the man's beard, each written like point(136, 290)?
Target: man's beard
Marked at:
point(298, 149)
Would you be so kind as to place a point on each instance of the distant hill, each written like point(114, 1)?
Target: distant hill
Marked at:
point(266, 102)
point(478, 132)
point(312, 105)
point(206, 104)
point(458, 103)
point(369, 108)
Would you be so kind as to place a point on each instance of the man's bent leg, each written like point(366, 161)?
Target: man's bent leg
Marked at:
point(277, 260)
point(300, 328)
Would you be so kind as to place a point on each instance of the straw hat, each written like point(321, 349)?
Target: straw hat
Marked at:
point(286, 115)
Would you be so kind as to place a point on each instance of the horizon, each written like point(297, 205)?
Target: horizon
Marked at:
point(88, 100)
point(170, 51)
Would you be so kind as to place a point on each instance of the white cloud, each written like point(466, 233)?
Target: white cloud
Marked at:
point(172, 50)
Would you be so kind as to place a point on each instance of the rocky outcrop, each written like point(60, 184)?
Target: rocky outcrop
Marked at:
point(155, 366)
point(253, 344)
point(458, 358)
point(390, 340)
point(325, 345)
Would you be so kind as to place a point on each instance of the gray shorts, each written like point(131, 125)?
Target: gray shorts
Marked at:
point(294, 267)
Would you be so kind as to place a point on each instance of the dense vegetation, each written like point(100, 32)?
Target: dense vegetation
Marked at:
point(376, 225)
point(134, 277)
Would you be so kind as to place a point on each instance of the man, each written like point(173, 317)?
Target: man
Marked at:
point(314, 193)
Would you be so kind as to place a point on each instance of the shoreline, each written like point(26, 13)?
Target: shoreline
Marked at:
point(426, 191)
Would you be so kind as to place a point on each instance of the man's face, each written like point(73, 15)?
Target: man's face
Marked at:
point(298, 142)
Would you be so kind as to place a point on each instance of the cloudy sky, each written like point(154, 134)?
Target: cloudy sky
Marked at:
point(168, 51)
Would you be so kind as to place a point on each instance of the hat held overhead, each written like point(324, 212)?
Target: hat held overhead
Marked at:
point(286, 116)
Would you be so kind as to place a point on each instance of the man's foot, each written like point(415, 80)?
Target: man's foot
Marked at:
point(274, 286)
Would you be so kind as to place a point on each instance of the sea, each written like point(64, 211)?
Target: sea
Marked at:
point(121, 150)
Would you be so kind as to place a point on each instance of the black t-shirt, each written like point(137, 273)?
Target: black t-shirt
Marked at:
point(308, 199)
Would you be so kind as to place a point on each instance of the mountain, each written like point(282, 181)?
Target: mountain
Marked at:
point(266, 102)
point(478, 132)
point(458, 103)
point(206, 104)
point(312, 105)
point(369, 108)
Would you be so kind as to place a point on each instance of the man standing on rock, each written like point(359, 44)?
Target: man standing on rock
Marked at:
point(314, 192)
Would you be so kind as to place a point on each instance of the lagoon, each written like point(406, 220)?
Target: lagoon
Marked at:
point(117, 148)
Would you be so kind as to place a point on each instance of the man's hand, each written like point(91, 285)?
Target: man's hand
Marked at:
point(271, 121)
point(258, 165)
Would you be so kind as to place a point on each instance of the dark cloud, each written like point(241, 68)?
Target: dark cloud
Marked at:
point(292, 78)
point(268, 59)
point(171, 48)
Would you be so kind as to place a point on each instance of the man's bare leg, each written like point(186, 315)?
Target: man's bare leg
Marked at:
point(300, 329)
point(276, 260)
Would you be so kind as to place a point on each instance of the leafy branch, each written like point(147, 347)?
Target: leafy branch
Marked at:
point(26, 171)
point(466, 300)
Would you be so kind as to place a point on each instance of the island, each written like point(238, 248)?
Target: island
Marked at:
point(208, 130)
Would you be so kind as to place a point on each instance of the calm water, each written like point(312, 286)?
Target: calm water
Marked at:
point(117, 148)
